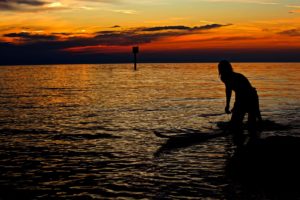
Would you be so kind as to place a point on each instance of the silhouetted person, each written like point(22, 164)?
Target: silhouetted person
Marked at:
point(246, 98)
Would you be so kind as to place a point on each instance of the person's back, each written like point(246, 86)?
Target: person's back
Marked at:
point(238, 83)
point(241, 86)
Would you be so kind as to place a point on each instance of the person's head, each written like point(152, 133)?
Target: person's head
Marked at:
point(225, 69)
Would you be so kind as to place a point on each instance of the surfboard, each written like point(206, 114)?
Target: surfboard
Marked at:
point(223, 128)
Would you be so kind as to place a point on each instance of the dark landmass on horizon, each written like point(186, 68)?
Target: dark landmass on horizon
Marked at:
point(23, 56)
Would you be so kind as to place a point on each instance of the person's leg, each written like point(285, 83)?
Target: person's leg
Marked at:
point(256, 106)
point(236, 125)
point(253, 115)
point(236, 121)
point(252, 126)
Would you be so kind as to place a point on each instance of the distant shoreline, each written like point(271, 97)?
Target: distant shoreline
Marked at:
point(113, 63)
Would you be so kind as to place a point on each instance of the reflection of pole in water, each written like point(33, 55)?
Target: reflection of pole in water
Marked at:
point(135, 50)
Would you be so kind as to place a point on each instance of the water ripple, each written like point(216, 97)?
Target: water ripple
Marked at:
point(86, 131)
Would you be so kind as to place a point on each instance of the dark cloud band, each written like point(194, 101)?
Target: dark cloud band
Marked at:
point(26, 5)
point(291, 32)
point(31, 37)
point(58, 44)
point(112, 38)
point(205, 27)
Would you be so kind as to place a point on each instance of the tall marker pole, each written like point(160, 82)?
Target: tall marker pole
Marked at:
point(135, 50)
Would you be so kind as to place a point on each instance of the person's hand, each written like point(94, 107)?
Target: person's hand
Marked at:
point(227, 111)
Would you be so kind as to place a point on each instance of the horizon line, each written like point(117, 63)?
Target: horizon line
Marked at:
point(145, 62)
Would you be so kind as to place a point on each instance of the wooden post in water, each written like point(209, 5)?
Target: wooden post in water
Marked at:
point(135, 50)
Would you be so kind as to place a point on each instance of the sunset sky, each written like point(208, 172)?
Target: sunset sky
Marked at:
point(79, 31)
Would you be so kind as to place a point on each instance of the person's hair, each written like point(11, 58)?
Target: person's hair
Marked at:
point(225, 69)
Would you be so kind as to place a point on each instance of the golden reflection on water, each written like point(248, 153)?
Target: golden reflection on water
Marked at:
point(89, 127)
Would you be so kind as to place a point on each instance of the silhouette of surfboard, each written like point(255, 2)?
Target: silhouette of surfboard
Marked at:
point(223, 129)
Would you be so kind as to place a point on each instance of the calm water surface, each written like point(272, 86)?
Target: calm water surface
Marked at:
point(86, 131)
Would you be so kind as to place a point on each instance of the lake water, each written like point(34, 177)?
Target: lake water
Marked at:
point(86, 131)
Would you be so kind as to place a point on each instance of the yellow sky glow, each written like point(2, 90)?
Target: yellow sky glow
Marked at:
point(243, 23)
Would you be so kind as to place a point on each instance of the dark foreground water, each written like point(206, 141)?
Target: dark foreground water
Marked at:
point(86, 131)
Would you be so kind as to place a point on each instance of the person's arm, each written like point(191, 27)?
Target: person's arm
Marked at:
point(228, 97)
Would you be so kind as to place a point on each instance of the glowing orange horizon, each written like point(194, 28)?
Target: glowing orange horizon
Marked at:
point(84, 27)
